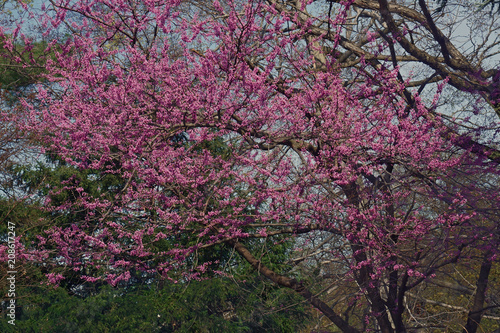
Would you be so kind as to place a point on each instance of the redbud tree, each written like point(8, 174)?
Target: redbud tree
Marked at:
point(238, 124)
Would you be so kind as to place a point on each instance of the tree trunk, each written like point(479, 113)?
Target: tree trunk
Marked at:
point(476, 312)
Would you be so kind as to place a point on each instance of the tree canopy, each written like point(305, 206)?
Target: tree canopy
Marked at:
point(205, 130)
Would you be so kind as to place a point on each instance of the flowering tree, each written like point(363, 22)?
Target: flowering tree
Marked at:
point(240, 125)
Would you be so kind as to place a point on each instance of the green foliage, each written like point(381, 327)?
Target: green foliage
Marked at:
point(217, 305)
point(16, 75)
point(22, 214)
point(57, 180)
point(245, 303)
